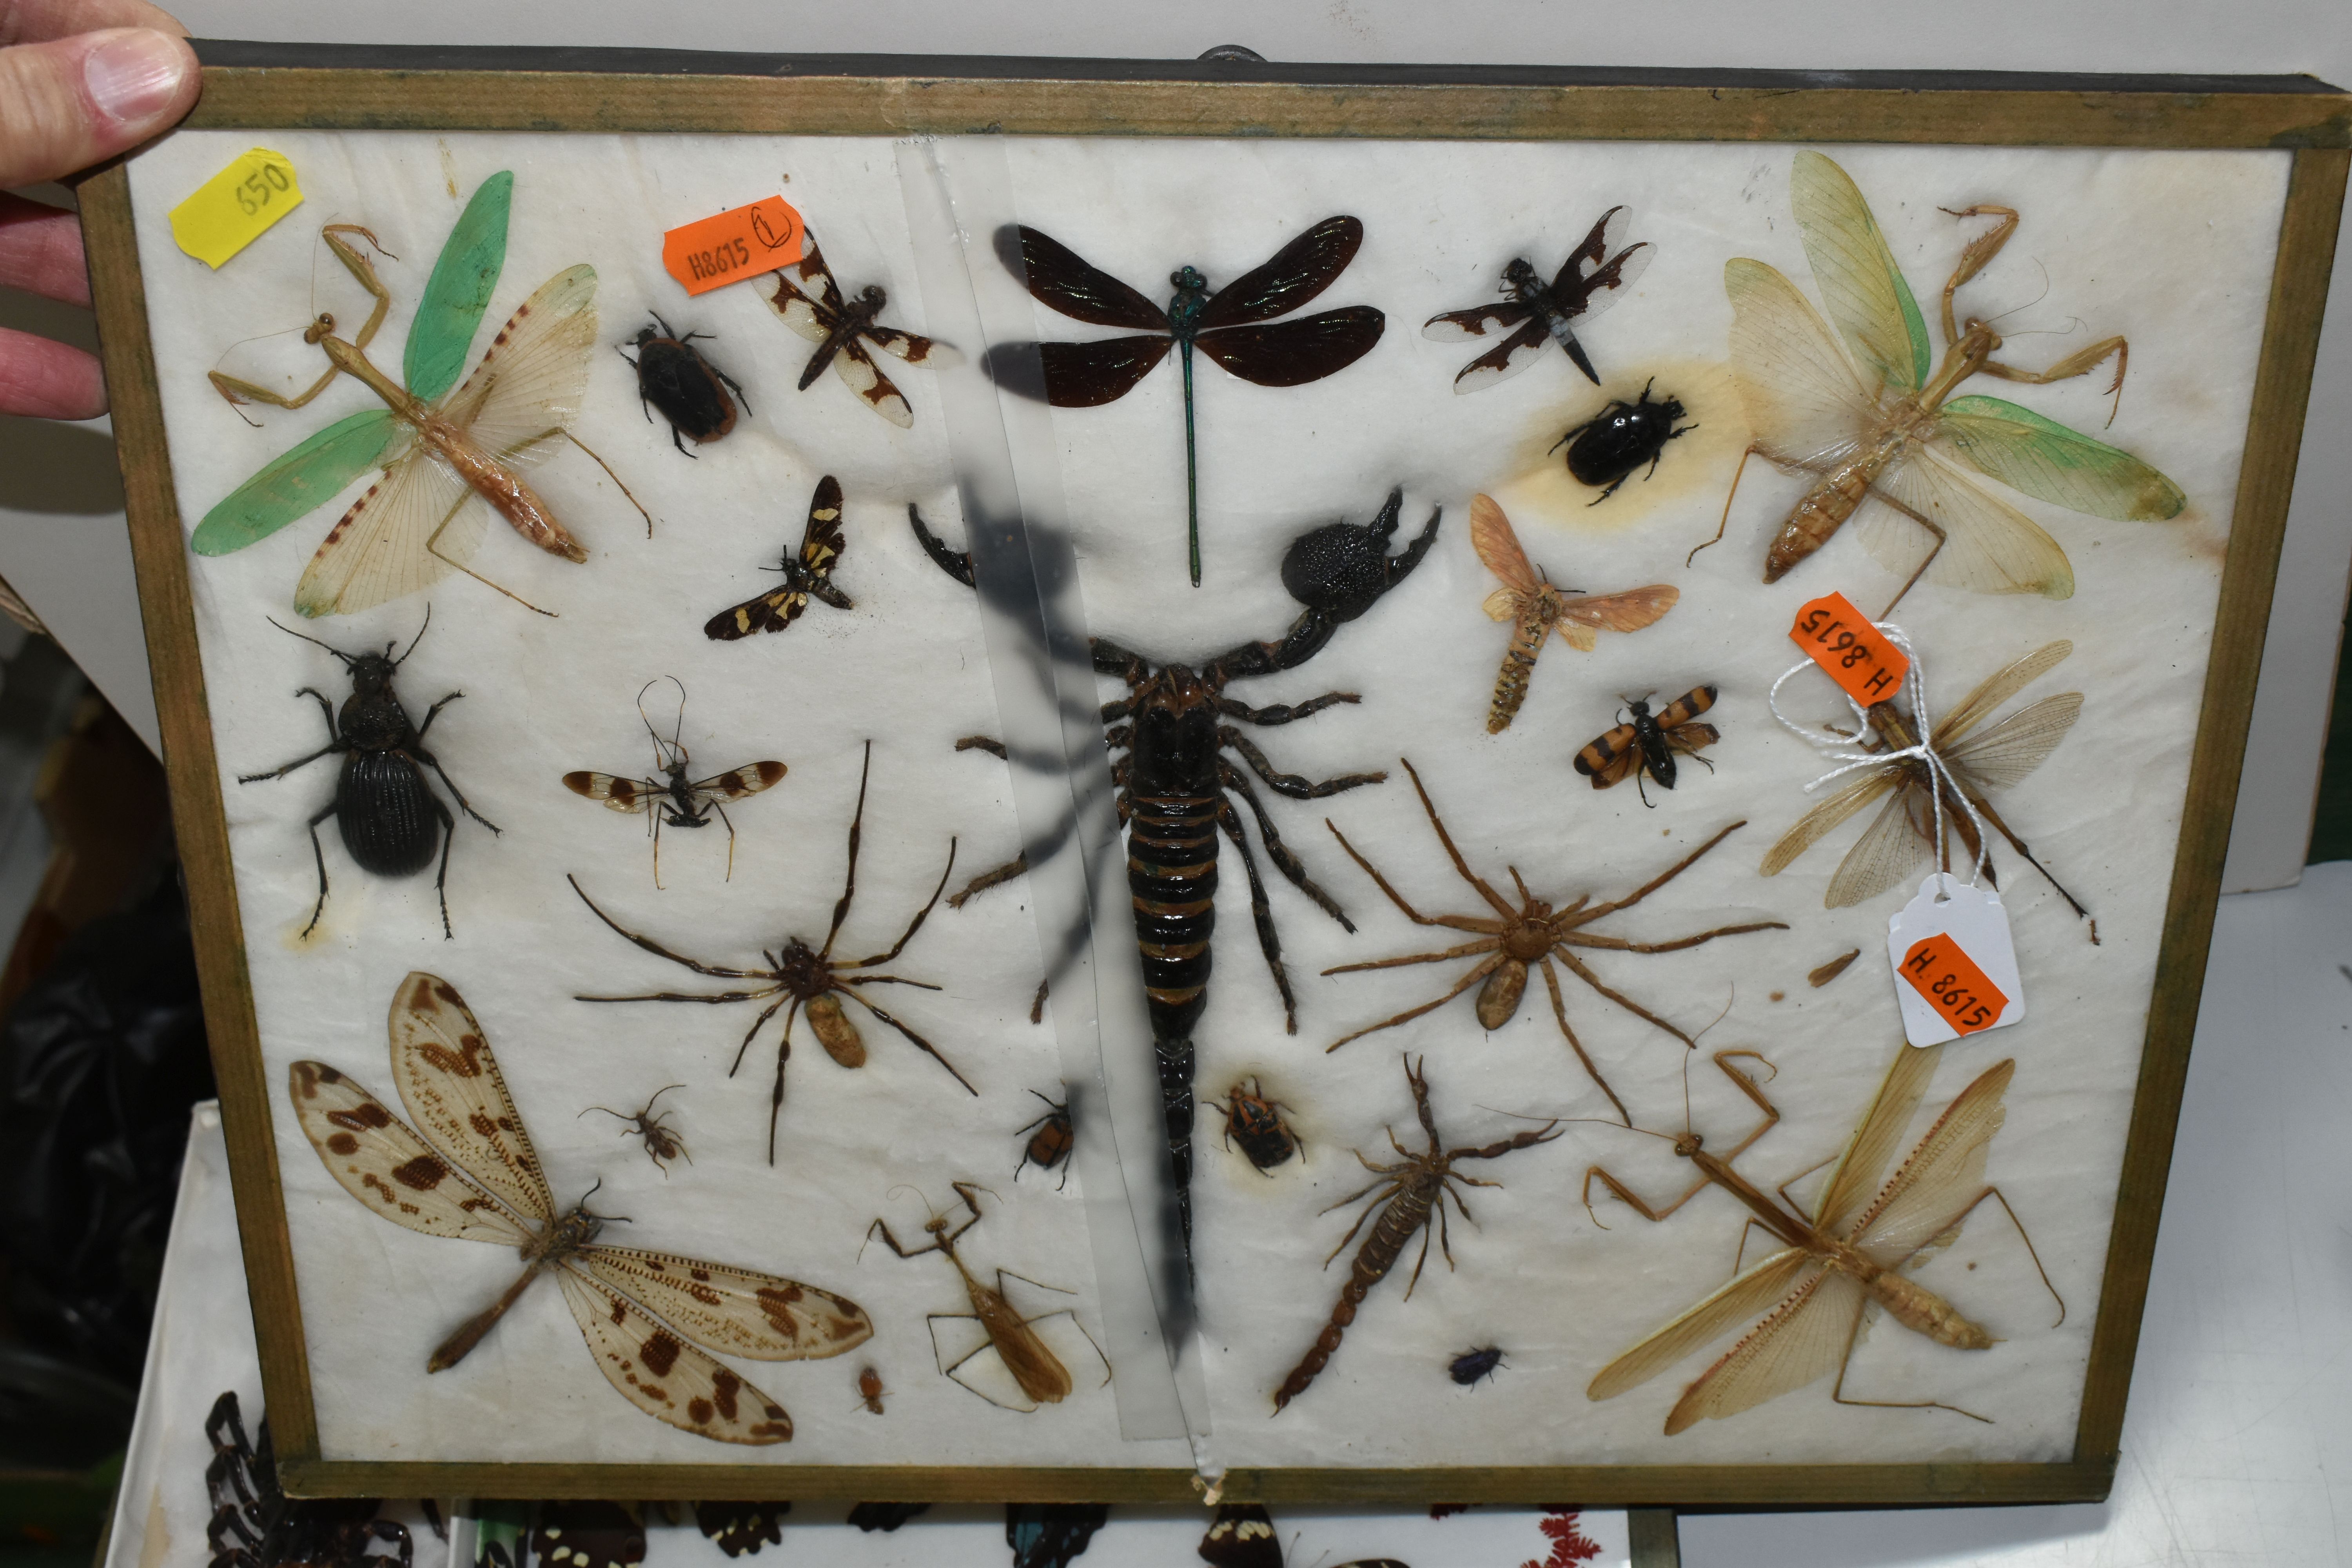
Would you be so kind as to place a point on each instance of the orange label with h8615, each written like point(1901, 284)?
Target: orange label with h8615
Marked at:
point(1849, 650)
point(1939, 970)
point(739, 243)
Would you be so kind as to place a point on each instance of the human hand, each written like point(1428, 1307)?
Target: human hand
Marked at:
point(80, 80)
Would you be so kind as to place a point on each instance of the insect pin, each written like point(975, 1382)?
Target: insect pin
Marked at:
point(479, 1179)
point(1646, 744)
point(1051, 1138)
point(1539, 609)
point(808, 575)
point(1470, 1366)
point(1537, 313)
point(1265, 1138)
point(1243, 1536)
point(385, 808)
point(670, 800)
point(662, 1145)
point(691, 393)
point(870, 1389)
point(1606, 448)
point(809, 301)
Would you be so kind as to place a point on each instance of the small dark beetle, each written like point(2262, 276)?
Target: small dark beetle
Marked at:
point(673, 376)
point(1606, 448)
point(386, 811)
point(1052, 1139)
point(1256, 1120)
point(1471, 1365)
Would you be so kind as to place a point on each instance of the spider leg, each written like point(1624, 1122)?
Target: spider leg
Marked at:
point(656, 948)
point(1595, 911)
point(1485, 891)
point(1559, 1011)
point(914, 925)
point(1477, 972)
point(849, 880)
point(922, 1043)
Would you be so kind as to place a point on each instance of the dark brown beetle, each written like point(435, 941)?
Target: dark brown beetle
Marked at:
point(673, 376)
point(1264, 1137)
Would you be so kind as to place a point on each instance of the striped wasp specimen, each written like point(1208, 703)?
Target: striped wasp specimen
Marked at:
point(670, 799)
point(1648, 744)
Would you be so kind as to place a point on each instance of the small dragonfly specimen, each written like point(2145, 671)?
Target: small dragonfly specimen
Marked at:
point(1893, 433)
point(691, 393)
point(670, 798)
point(807, 301)
point(1243, 1536)
point(1531, 932)
point(1904, 833)
point(662, 1145)
point(441, 452)
point(648, 1316)
point(1852, 1249)
point(1535, 313)
point(1235, 328)
point(1645, 744)
point(801, 977)
point(1539, 609)
point(809, 575)
point(1408, 1196)
point(1037, 1375)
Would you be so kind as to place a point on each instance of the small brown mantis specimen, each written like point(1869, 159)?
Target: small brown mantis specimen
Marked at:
point(1851, 1251)
point(1531, 932)
point(1035, 1369)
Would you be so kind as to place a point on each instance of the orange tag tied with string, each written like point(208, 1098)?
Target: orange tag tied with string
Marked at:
point(739, 243)
point(1849, 649)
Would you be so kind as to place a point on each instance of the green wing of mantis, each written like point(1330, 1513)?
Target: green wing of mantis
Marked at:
point(302, 480)
point(1856, 273)
point(2050, 462)
point(459, 291)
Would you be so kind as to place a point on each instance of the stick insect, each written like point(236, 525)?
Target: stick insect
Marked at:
point(1849, 1252)
point(1036, 1371)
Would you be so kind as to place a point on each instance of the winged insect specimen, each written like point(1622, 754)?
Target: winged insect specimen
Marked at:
point(810, 302)
point(1472, 1365)
point(1531, 933)
point(800, 978)
point(1050, 1138)
point(691, 393)
point(1647, 744)
point(384, 807)
point(1235, 328)
point(808, 575)
point(1037, 1375)
point(449, 459)
point(650, 1318)
point(1977, 761)
point(1891, 432)
point(578, 1533)
point(255, 1525)
point(884, 1517)
point(501, 1533)
point(670, 800)
point(1049, 1534)
point(740, 1529)
point(1603, 451)
point(1243, 1536)
point(1266, 1140)
point(870, 1390)
point(1407, 1196)
point(1535, 314)
point(1539, 609)
point(662, 1144)
point(1851, 1251)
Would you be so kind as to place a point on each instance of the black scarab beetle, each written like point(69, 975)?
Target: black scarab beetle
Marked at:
point(673, 376)
point(390, 818)
point(1606, 448)
point(1258, 1122)
point(1471, 1365)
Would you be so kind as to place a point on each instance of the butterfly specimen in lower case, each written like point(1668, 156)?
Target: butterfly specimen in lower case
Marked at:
point(807, 301)
point(1234, 327)
point(1537, 314)
point(1541, 609)
point(1049, 1534)
point(1852, 1250)
point(1647, 744)
point(646, 1316)
point(670, 799)
point(1903, 834)
point(585, 1534)
point(740, 1529)
point(449, 460)
point(1893, 433)
point(1243, 1536)
point(808, 576)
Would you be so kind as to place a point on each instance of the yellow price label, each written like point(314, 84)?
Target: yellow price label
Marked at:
point(236, 206)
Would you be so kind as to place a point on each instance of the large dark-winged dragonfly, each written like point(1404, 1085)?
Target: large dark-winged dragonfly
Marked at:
point(1234, 327)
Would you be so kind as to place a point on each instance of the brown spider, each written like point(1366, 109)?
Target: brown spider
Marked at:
point(1532, 933)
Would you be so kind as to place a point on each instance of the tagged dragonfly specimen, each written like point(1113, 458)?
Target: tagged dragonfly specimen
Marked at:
point(1904, 833)
point(1852, 1250)
point(1537, 313)
point(671, 799)
point(810, 302)
point(649, 1317)
point(1891, 432)
point(1539, 609)
point(449, 459)
point(807, 577)
point(1234, 327)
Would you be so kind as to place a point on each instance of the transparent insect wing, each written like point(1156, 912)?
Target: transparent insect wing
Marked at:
point(1944, 1174)
point(1816, 823)
point(1897, 842)
point(856, 368)
point(377, 1158)
point(2000, 756)
point(1805, 1339)
point(1998, 687)
point(1877, 1137)
point(376, 552)
point(1856, 274)
point(442, 1065)
point(1989, 546)
point(1806, 406)
point(740, 1311)
point(1741, 1300)
point(665, 1376)
point(2052, 463)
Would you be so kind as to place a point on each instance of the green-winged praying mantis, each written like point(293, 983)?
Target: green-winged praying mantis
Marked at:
point(440, 451)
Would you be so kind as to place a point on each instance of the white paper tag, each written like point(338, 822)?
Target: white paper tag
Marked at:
point(1955, 969)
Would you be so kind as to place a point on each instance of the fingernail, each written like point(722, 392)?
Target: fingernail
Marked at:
point(133, 74)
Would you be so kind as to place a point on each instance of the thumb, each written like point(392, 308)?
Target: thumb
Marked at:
point(72, 103)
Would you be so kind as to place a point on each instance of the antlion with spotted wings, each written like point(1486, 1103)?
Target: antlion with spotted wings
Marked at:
point(646, 1315)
